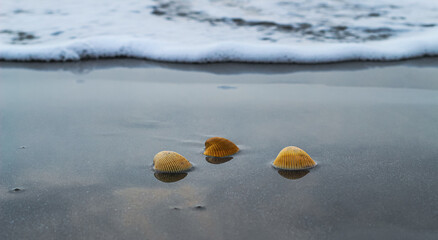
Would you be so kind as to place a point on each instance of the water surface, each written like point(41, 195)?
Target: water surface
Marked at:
point(79, 146)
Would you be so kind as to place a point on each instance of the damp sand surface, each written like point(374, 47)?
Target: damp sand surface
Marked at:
point(77, 142)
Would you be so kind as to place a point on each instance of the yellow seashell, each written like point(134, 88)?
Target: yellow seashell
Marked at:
point(169, 177)
point(293, 175)
point(218, 160)
point(220, 147)
point(171, 162)
point(293, 158)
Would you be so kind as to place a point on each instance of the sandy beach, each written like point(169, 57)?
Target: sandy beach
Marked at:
point(77, 141)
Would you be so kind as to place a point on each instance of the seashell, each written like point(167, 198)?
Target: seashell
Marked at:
point(293, 175)
point(218, 160)
point(220, 147)
point(293, 158)
point(169, 177)
point(171, 162)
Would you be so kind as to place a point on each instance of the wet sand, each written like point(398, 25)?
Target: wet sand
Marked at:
point(77, 142)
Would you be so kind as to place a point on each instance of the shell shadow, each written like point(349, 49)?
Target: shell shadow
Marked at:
point(169, 177)
point(218, 160)
point(293, 174)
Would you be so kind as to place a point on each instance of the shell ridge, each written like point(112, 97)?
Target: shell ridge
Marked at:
point(220, 147)
point(170, 162)
point(293, 158)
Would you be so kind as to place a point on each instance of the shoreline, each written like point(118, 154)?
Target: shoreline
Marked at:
point(276, 72)
point(405, 47)
point(216, 67)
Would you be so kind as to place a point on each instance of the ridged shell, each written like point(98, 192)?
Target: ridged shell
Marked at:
point(170, 162)
point(169, 177)
point(220, 147)
point(218, 160)
point(293, 158)
point(297, 174)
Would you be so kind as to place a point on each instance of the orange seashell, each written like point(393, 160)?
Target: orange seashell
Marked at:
point(293, 158)
point(293, 175)
point(171, 162)
point(169, 177)
point(220, 147)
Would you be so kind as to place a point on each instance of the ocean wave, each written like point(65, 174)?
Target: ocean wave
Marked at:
point(425, 44)
point(201, 31)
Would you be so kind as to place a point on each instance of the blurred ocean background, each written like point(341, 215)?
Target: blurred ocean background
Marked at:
point(303, 31)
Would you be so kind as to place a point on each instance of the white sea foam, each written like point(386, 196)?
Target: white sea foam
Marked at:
point(311, 31)
point(108, 47)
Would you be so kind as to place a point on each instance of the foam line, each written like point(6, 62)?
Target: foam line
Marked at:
point(425, 44)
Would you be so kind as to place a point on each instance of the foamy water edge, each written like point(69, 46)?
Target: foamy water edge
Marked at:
point(425, 44)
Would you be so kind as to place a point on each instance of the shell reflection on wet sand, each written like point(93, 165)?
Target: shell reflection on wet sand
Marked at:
point(217, 160)
point(293, 158)
point(220, 147)
point(293, 175)
point(171, 162)
point(169, 177)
